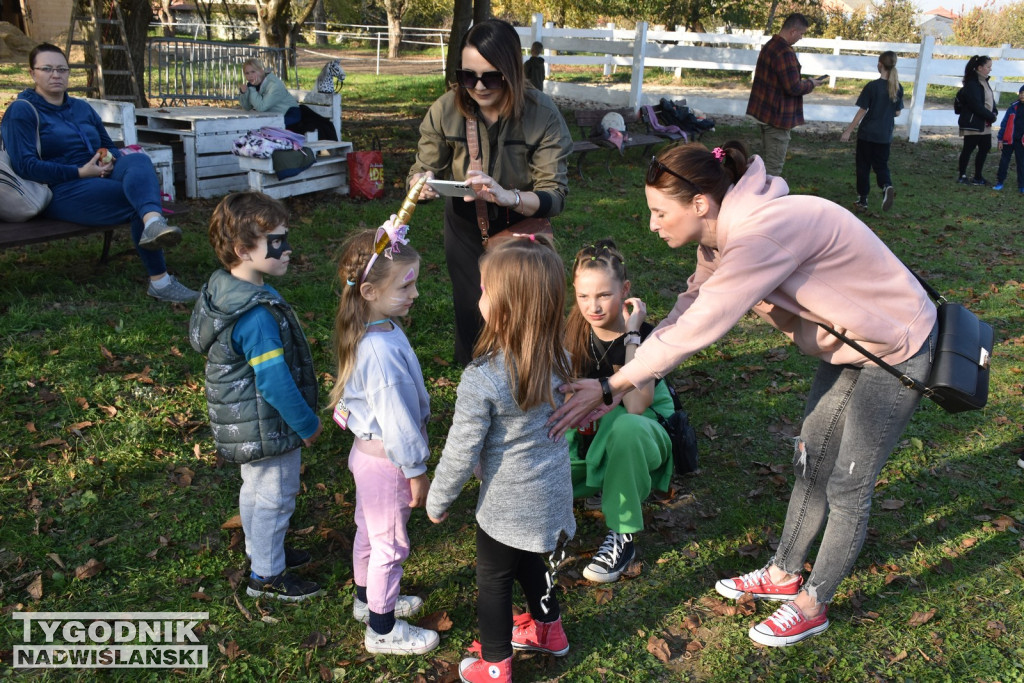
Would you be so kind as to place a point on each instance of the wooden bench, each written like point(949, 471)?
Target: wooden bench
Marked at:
point(330, 172)
point(46, 230)
point(589, 119)
point(651, 115)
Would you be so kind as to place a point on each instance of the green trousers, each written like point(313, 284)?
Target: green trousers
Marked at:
point(630, 456)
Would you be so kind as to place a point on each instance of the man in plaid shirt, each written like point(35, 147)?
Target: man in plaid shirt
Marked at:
point(776, 96)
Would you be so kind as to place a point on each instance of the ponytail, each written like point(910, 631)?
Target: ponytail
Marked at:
point(888, 61)
point(694, 169)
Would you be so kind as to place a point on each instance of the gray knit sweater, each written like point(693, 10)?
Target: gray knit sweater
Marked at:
point(526, 489)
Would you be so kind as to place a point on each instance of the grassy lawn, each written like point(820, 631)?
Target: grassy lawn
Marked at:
point(106, 456)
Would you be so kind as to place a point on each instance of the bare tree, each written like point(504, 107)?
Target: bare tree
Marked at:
point(467, 12)
point(276, 26)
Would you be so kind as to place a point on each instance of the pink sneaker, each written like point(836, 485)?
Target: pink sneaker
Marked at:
point(539, 636)
point(787, 626)
point(760, 585)
point(473, 670)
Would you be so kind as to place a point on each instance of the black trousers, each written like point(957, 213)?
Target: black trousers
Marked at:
point(463, 247)
point(983, 143)
point(497, 567)
point(305, 120)
point(872, 156)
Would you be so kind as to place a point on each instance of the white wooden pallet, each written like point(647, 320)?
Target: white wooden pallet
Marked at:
point(330, 172)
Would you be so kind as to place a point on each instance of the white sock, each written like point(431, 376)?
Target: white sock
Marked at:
point(152, 220)
point(162, 282)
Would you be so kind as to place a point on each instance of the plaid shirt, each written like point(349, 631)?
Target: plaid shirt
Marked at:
point(776, 96)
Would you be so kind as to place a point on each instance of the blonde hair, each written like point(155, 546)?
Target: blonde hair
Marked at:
point(524, 279)
point(888, 61)
point(256, 63)
point(353, 310)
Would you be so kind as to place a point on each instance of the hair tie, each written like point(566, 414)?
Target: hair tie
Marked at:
point(719, 153)
point(350, 283)
point(528, 235)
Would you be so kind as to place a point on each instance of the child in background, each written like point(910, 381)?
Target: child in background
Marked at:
point(534, 66)
point(380, 396)
point(499, 431)
point(1011, 142)
point(880, 103)
point(261, 390)
point(631, 453)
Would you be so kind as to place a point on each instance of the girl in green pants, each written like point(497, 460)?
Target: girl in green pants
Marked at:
point(626, 453)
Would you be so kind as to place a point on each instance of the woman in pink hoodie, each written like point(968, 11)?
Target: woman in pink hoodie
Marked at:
point(796, 261)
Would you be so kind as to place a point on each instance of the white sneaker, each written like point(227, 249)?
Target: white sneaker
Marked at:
point(404, 639)
point(405, 606)
point(1020, 463)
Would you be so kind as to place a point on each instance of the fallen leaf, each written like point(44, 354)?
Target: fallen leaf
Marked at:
point(314, 640)
point(1003, 522)
point(659, 648)
point(234, 577)
point(30, 427)
point(199, 595)
point(233, 523)
point(892, 504)
point(603, 595)
point(968, 542)
point(898, 658)
point(325, 673)
point(89, 569)
point(82, 403)
point(691, 622)
point(106, 354)
point(35, 588)
point(56, 558)
point(229, 650)
point(436, 621)
point(919, 618)
point(241, 608)
point(111, 411)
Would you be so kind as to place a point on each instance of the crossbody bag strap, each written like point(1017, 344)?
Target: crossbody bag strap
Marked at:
point(476, 164)
point(39, 143)
point(905, 380)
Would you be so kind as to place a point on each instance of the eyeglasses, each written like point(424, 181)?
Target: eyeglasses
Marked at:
point(492, 80)
point(59, 70)
point(656, 168)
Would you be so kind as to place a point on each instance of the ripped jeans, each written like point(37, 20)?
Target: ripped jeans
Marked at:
point(853, 420)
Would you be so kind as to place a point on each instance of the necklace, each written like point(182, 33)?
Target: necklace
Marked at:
point(593, 350)
point(378, 322)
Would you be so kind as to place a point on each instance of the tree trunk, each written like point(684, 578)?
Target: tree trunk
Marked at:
point(137, 16)
point(166, 18)
point(771, 18)
point(320, 23)
point(394, 33)
point(461, 19)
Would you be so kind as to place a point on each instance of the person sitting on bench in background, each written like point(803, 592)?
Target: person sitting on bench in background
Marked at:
point(265, 92)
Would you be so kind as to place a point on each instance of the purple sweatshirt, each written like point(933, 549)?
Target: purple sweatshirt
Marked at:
point(796, 260)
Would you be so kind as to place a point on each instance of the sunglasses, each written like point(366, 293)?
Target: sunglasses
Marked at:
point(657, 168)
point(492, 80)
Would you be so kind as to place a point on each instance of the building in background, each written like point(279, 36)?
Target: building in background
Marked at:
point(937, 22)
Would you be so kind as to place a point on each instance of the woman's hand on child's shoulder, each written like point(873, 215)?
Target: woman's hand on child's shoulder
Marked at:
point(420, 487)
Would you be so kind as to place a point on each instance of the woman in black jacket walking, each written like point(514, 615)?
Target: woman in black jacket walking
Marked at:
point(977, 114)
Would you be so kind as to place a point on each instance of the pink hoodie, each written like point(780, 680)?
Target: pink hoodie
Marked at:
point(796, 261)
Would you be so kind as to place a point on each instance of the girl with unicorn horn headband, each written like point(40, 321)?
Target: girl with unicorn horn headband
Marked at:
point(380, 396)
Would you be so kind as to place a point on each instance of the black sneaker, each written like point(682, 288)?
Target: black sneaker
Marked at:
point(888, 193)
point(295, 558)
point(283, 587)
point(978, 180)
point(860, 205)
point(962, 180)
point(611, 559)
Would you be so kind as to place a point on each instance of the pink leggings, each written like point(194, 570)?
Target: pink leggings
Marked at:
point(382, 511)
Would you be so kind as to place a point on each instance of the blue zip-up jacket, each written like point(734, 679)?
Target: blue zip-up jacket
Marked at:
point(70, 135)
point(1012, 127)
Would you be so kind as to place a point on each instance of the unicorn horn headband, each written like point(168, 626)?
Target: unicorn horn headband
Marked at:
point(393, 232)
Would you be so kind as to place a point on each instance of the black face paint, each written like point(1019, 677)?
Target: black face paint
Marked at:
point(277, 245)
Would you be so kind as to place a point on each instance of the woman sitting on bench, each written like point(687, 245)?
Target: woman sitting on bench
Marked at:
point(265, 92)
point(59, 140)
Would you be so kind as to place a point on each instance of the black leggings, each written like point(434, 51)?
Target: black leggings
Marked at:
point(983, 143)
point(497, 567)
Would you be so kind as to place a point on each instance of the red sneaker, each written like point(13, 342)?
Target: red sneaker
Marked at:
point(539, 636)
point(788, 625)
point(473, 670)
point(760, 585)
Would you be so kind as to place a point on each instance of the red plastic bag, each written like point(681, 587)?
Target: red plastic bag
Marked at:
point(366, 172)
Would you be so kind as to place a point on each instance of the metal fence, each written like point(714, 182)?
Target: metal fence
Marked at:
point(181, 70)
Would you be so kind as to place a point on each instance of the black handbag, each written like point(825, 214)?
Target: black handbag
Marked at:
point(682, 435)
point(959, 377)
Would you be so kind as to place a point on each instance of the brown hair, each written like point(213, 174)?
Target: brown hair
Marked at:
point(353, 310)
point(241, 219)
point(888, 61)
point(43, 47)
point(705, 172)
point(525, 282)
point(602, 255)
point(498, 43)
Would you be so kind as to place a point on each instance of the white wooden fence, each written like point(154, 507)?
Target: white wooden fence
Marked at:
point(919, 64)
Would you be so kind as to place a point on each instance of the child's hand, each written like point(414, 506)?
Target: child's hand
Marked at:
point(999, 145)
point(309, 441)
point(438, 520)
point(420, 487)
point(845, 137)
point(635, 312)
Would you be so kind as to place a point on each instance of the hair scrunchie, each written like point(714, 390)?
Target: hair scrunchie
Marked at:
point(719, 153)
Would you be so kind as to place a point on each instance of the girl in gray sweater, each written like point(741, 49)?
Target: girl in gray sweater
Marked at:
point(505, 398)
